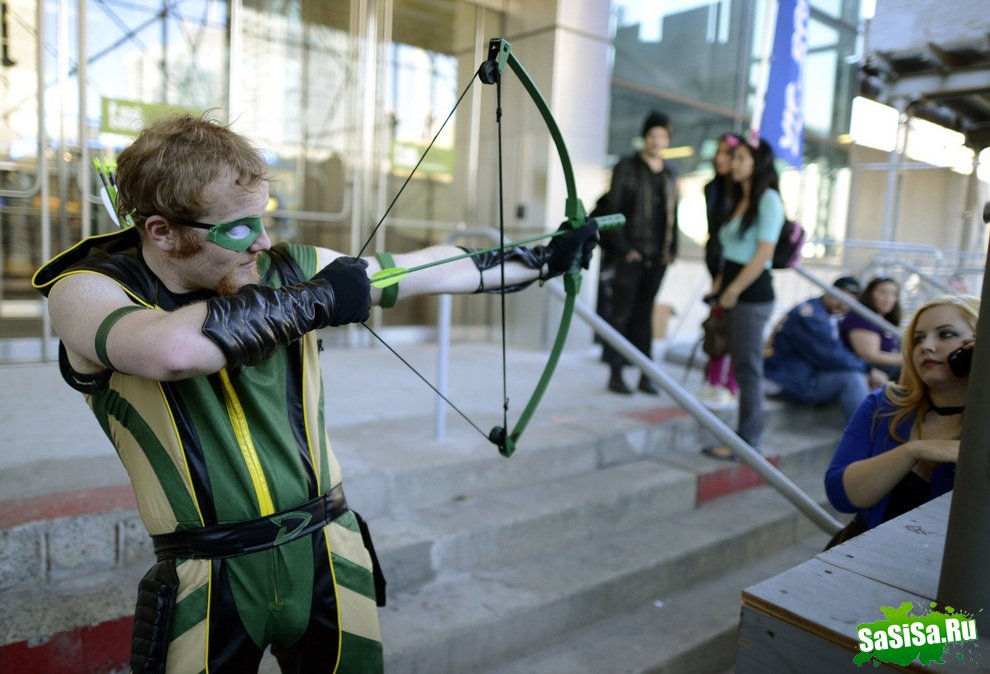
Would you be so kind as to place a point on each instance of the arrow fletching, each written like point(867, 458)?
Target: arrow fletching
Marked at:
point(388, 277)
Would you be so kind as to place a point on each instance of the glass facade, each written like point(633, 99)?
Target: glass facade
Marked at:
point(344, 96)
point(341, 96)
point(701, 62)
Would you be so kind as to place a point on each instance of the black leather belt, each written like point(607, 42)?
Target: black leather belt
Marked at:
point(231, 539)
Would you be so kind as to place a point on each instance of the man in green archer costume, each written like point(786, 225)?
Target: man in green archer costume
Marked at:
point(191, 337)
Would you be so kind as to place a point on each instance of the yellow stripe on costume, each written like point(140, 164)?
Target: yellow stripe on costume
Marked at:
point(238, 421)
point(193, 574)
point(149, 401)
point(311, 401)
point(359, 614)
point(356, 613)
point(187, 653)
point(152, 503)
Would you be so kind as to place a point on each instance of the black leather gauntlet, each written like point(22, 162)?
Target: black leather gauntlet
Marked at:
point(251, 324)
point(558, 255)
point(533, 258)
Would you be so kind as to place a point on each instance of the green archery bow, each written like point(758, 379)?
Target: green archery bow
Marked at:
point(490, 72)
point(500, 55)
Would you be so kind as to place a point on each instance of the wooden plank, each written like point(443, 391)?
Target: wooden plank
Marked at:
point(905, 553)
point(825, 600)
point(806, 618)
point(770, 644)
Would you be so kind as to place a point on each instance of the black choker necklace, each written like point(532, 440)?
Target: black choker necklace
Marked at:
point(945, 411)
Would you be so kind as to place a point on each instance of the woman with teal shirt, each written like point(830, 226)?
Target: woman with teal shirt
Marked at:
point(744, 288)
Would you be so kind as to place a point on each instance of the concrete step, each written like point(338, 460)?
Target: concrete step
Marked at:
point(471, 620)
point(443, 514)
point(94, 527)
point(692, 630)
point(491, 529)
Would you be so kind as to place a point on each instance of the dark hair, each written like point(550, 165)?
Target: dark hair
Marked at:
point(764, 178)
point(656, 118)
point(866, 299)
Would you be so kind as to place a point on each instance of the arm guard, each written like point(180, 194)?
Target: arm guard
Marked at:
point(533, 258)
point(567, 247)
point(251, 324)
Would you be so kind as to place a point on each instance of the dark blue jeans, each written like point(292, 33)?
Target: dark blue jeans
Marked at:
point(846, 387)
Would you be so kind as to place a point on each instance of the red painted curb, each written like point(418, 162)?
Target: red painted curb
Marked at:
point(94, 649)
point(657, 415)
point(66, 504)
point(729, 480)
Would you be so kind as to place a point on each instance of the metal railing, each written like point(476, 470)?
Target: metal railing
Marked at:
point(750, 456)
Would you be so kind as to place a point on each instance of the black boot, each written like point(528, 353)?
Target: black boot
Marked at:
point(646, 385)
point(616, 384)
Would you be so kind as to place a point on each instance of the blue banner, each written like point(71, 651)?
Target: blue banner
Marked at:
point(783, 113)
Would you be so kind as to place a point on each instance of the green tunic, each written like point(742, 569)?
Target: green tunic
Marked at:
point(228, 447)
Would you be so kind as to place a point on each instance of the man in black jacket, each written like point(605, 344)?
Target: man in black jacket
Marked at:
point(644, 189)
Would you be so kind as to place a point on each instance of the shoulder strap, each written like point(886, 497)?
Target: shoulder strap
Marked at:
point(285, 266)
point(84, 383)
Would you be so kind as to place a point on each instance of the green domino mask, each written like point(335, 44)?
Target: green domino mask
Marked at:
point(236, 235)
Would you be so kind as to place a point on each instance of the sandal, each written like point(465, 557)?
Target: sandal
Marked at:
point(721, 453)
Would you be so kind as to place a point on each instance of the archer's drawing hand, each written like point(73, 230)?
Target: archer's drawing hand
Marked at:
point(347, 277)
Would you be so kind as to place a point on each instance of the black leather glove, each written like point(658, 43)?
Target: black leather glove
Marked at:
point(566, 249)
point(251, 324)
point(348, 276)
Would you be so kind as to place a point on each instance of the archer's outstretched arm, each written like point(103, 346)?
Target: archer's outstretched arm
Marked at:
point(482, 270)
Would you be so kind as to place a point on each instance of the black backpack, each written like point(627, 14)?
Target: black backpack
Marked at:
point(787, 252)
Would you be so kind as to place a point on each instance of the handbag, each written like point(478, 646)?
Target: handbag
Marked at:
point(715, 342)
point(856, 526)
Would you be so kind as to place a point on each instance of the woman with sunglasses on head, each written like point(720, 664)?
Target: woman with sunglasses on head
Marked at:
point(744, 288)
point(878, 347)
point(899, 450)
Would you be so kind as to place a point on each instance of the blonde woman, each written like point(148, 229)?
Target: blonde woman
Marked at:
point(899, 450)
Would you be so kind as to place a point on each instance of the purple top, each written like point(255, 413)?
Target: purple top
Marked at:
point(853, 321)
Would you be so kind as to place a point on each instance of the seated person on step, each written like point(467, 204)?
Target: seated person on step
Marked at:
point(878, 347)
point(900, 448)
point(806, 361)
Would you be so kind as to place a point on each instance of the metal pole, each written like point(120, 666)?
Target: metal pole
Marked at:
point(855, 305)
point(85, 205)
point(444, 318)
point(702, 415)
point(45, 187)
point(443, 361)
point(963, 583)
point(893, 169)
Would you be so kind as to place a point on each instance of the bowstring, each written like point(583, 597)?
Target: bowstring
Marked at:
point(381, 220)
point(425, 380)
point(421, 158)
point(501, 245)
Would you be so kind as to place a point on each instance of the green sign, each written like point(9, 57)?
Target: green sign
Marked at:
point(128, 117)
point(439, 162)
